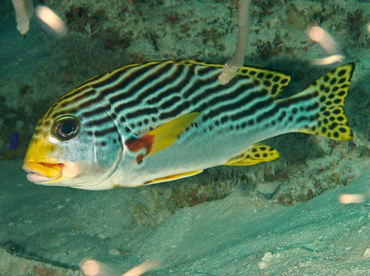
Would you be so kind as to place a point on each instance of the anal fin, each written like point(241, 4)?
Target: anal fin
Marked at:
point(172, 177)
point(255, 154)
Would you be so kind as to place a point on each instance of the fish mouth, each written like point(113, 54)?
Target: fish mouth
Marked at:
point(42, 172)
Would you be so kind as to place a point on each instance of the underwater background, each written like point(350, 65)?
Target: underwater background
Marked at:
point(278, 218)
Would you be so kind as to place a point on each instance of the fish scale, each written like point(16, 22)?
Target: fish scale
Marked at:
point(158, 121)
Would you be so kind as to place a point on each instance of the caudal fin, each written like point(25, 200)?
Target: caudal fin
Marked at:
point(318, 108)
point(333, 89)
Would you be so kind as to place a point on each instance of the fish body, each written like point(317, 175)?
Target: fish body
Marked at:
point(159, 121)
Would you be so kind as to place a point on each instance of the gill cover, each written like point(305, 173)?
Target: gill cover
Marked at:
point(68, 152)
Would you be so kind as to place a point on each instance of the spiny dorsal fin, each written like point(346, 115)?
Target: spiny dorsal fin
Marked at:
point(273, 81)
point(255, 154)
point(333, 89)
point(162, 137)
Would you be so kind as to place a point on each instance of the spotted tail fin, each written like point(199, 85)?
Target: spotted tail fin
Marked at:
point(318, 108)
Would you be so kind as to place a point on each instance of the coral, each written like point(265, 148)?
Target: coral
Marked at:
point(270, 48)
point(161, 201)
point(237, 60)
point(23, 13)
point(296, 17)
point(356, 23)
point(279, 175)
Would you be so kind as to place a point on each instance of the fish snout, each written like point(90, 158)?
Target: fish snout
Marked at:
point(42, 172)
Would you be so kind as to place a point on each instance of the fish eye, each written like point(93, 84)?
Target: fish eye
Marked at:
point(66, 127)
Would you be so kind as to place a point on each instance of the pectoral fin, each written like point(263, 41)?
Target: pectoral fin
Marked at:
point(255, 154)
point(162, 137)
point(172, 177)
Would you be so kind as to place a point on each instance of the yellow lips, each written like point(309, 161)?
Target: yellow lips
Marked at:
point(42, 172)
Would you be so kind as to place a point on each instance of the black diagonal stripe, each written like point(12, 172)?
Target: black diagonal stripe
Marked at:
point(199, 83)
point(72, 93)
point(129, 78)
point(240, 103)
point(207, 92)
point(175, 112)
point(254, 109)
point(291, 101)
point(77, 98)
point(185, 79)
point(135, 90)
point(104, 80)
point(232, 95)
point(95, 111)
point(142, 112)
point(155, 87)
point(170, 102)
point(204, 70)
point(106, 131)
point(269, 114)
point(203, 107)
point(64, 112)
point(91, 102)
point(99, 122)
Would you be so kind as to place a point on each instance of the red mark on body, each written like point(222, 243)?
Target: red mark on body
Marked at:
point(139, 158)
point(145, 142)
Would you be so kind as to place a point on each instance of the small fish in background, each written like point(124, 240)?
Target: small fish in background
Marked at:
point(159, 121)
point(328, 44)
point(91, 267)
point(51, 20)
point(13, 146)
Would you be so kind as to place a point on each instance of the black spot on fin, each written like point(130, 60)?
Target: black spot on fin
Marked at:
point(330, 93)
point(255, 154)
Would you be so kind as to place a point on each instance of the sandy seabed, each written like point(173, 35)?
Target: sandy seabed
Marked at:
point(61, 226)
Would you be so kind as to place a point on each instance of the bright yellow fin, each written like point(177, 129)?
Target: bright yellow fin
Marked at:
point(172, 177)
point(332, 88)
point(255, 154)
point(273, 81)
point(163, 136)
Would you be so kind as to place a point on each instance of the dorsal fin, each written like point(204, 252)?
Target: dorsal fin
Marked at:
point(273, 81)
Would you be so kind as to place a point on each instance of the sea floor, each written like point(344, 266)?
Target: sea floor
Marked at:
point(232, 236)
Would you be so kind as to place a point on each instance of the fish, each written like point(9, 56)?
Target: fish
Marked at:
point(12, 147)
point(159, 121)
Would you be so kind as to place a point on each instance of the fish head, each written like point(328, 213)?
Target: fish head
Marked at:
point(68, 150)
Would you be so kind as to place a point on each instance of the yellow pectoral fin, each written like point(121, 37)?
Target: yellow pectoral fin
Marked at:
point(163, 136)
point(172, 177)
point(167, 134)
point(255, 154)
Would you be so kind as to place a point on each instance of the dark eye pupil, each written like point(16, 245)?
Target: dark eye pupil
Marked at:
point(66, 128)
